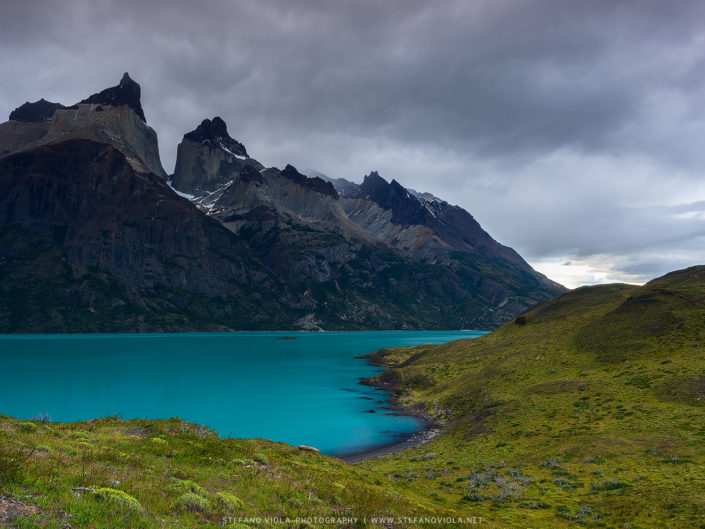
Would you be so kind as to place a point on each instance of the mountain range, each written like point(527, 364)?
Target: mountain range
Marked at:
point(95, 236)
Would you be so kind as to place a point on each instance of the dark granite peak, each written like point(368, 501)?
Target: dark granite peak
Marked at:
point(374, 179)
point(215, 134)
point(406, 208)
point(373, 185)
point(37, 112)
point(292, 173)
point(314, 184)
point(250, 174)
point(127, 92)
point(401, 189)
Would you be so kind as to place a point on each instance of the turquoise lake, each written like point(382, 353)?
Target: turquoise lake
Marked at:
point(300, 391)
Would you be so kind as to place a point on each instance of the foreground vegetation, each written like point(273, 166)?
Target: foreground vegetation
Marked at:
point(588, 411)
point(137, 473)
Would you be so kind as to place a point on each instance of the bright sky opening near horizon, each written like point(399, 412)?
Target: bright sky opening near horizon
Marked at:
point(572, 131)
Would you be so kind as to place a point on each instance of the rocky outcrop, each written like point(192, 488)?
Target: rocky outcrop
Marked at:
point(27, 125)
point(315, 184)
point(208, 159)
point(215, 134)
point(18, 135)
point(37, 112)
point(309, 449)
point(291, 197)
point(115, 122)
point(127, 92)
point(117, 126)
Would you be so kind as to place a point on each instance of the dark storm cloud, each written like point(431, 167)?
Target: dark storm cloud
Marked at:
point(567, 128)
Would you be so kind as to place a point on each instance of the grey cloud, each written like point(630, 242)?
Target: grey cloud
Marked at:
point(473, 101)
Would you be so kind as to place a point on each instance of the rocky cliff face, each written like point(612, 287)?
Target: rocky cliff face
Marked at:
point(124, 246)
point(432, 231)
point(127, 223)
point(208, 159)
point(310, 233)
point(127, 93)
point(113, 116)
point(215, 172)
point(18, 135)
point(37, 112)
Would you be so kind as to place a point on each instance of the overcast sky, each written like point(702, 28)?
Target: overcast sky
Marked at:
point(574, 131)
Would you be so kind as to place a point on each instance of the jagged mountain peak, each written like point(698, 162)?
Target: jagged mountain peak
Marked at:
point(373, 178)
point(291, 172)
point(373, 185)
point(214, 133)
point(376, 188)
point(113, 116)
point(315, 184)
point(127, 92)
point(127, 83)
point(208, 159)
point(37, 112)
point(209, 130)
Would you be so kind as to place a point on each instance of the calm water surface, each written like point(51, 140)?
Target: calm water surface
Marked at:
point(301, 391)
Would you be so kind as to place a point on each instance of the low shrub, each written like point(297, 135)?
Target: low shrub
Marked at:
point(193, 502)
point(228, 501)
point(182, 486)
point(261, 458)
point(608, 484)
point(119, 499)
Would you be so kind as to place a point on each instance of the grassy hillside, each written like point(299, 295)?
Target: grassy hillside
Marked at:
point(115, 473)
point(588, 411)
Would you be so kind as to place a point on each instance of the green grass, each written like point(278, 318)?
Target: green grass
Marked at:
point(588, 413)
point(111, 473)
point(591, 412)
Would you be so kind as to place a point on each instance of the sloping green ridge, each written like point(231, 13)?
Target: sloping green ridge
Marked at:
point(589, 409)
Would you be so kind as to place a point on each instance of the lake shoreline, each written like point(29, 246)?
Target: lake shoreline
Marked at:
point(431, 428)
point(420, 438)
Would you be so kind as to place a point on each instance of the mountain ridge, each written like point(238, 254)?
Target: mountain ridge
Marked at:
point(295, 257)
